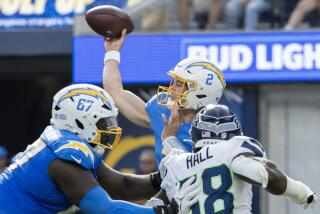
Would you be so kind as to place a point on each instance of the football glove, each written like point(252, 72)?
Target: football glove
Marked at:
point(183, 199)
point(299, 193)
point(188, 195)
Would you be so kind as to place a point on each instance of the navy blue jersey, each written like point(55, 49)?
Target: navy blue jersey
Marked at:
point(25, 186)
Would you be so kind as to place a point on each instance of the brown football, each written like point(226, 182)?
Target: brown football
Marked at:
point(108, 21)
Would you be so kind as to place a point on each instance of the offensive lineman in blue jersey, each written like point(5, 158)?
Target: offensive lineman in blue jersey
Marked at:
point(64, 166)
point(195, 83)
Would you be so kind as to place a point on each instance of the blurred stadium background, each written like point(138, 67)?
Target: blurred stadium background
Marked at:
point(272, 69)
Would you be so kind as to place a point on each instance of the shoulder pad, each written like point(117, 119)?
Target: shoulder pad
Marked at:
point(250, 144)
point(152, 101)
point(166, 160)
point(50, 134)
point(75, 151)
point(240, 138)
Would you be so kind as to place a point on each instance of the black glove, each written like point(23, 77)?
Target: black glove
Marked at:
point(172, 208)
point(156, 180)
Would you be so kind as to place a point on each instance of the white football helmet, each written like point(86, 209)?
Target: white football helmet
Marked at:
point(201, 84)
point(88, 111)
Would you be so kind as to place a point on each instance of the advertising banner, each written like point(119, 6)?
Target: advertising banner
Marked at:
point(17, 14)
point(243, 57)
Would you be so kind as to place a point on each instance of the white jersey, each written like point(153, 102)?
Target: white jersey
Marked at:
point(222, 191)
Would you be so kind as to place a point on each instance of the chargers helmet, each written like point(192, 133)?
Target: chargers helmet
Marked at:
point(213, 124)
point(204, 85)
point(88, 111)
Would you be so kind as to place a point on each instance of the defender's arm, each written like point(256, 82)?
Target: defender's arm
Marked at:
point(264, 172)
point(130, 105)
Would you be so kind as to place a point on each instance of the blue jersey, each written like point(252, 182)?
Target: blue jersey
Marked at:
point(25, 186)
point(155, 111)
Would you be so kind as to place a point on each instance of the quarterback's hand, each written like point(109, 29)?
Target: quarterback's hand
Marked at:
point(187, 195)
point(115, 44)
point(171, 127)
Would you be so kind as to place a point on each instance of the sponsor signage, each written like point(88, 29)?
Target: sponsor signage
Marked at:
point(243, 57)
point(15, 14)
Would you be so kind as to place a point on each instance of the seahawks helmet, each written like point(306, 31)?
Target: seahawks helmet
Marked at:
point(201, 84)
point(89, 112)
point(213, 124)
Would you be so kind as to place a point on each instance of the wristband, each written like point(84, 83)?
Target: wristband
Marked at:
point(156, 180)
point(112, 55)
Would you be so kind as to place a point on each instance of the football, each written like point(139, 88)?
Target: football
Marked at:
point(108, 21)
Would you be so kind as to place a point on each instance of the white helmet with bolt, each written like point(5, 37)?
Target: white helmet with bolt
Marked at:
point(88, 111)
point(204, 85)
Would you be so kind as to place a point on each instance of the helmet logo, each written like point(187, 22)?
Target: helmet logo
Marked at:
point(205, 134)
point(236, 120)
point(223, 135)
point(217, 129)
point(195, 121)
point(77, 92)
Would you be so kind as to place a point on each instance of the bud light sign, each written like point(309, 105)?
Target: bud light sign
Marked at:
point(242, 57)
point(260, 56)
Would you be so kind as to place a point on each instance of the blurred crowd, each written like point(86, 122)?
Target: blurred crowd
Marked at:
point(225, 15)
point(4, 158)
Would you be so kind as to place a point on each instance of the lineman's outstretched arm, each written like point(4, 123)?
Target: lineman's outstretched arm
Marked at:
point(127, 186)
point(130, 105)
point(80, 187)
point(136, 187)
point(264, 172)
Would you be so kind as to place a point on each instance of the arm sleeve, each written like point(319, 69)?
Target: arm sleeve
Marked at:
point(249, 168)
point(97, 201)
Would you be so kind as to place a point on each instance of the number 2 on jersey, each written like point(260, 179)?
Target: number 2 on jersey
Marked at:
point(219, 200)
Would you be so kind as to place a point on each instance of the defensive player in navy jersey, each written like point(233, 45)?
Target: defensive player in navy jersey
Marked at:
point(195, 83)
point(64, 166)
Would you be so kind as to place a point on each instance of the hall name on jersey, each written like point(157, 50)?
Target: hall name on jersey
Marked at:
point(198, 157)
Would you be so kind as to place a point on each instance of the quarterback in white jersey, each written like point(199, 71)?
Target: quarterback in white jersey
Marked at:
point(226, 164)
